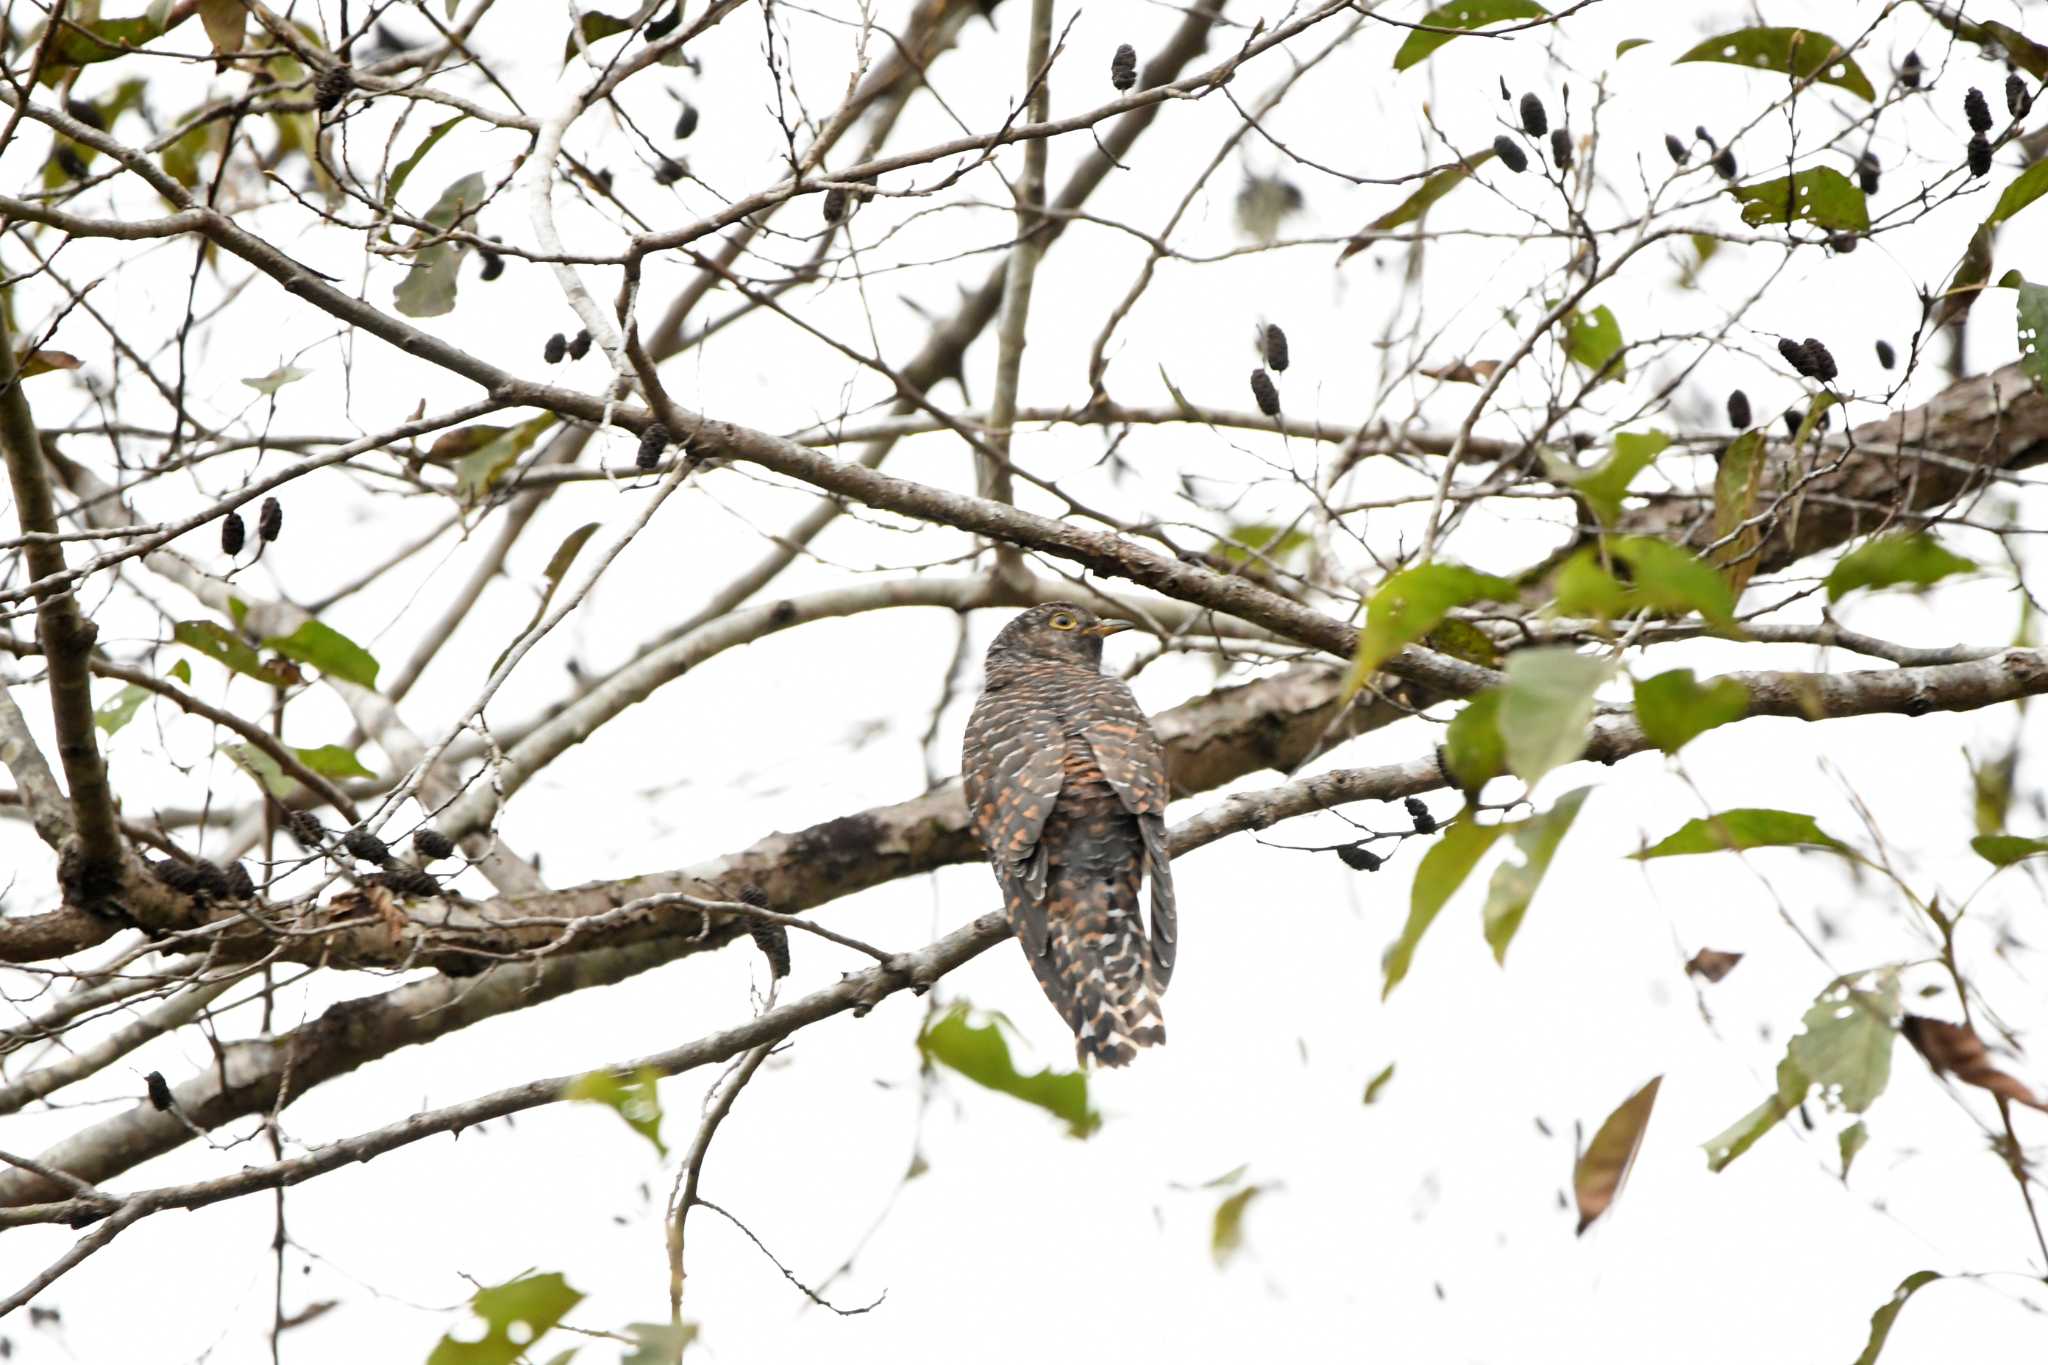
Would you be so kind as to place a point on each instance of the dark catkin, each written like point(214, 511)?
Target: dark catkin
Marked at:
point(1703, 135)
point(1511, 154)
point(366, 846)
point(332, 88)
point(1268, 397)
point(668, 172)
point(1359, 858)
point(557, 347)
point(686, 121)
point(771, 939)
point(1677, 149)
point(71, 163)
point(1123, 67)
point(85, 113)
point(305, 828)
point(270, 520)
point(2017, 101)
point(1980, 156)
point(159, 1091)
point(494, 266)
point(603, 180)
point(1909, 71)
point(652, 442)
point(1561, 148)
point(1795, 355)
point(408, 880)
point(665, 25)
point(241, 886)
point(1724, 163)
point(1792, 420)
point(1504, 95)
point(1276, 347)
point(432, 844)
point(1425, 823)
point(580, 347)
point(1977, 110)
point(1842, 242)
point(212, 879)
point(233, 535)
point(1866, 172)
point(1885, 358)
point(176, 875)
point(835, 204)
point(1738, 410)
point(1535, 122)
point(1822, 362)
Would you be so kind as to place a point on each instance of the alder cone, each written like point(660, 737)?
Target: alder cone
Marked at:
point(432, 844)
point(270, 521)
point(233, 534)
point(1677, 149)
point(332, 88)
point(1511, 154)
point(1738, 410)
point(1534, 121)
point(1977, 110)
point(1123, 67)
point(1884, 354)
point(1561, 148)
point(1980, 156)
point(1276, 347)
point(1268, 397)
point(557, 347)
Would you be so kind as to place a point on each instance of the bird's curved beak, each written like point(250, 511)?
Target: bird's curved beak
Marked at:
point(1107, 628)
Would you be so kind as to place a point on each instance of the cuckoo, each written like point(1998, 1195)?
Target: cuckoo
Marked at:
point(1067, 791)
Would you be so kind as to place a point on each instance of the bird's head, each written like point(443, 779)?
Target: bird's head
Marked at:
point(1059, 631)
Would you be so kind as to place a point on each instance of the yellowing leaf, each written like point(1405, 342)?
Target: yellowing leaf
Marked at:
point(1743, 828)
point(1604, 1166)
point(978, 1052)
point(1546, 705)
point(637, 1101)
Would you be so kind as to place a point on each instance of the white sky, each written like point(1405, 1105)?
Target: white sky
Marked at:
point(1423, 1229)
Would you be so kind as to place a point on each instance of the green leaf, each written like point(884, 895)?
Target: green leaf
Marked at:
point(1605, 484)
point(2003, 850)
point(1913, 557)
point(1668, 577)
point(403, 171)
point(2025, 188)
point(1226, 1234)
point(1473, 749)
point(264, 769)
point(1515, 882)
point(1604, 1166)
point(1738, 475)
point(1844, 1047)
point(102, 40)
point(476, 472)
point(1257, 544)
point(1433, 188)
point(1410, 604)
point(658, 1343)
point(328, 650)
point(1674, 709)
point(117, 710)
point(1746, 827)
point(1849, 1143)
point(558, 566)
point(978, 1052)
point(428, 289)
point(516, 1314)
point(1888, 1312)
point(1998, 40)
point(1545, 707)
point(1628, 45)
point(1462, 14)
point(595, 28)
point(1822, 196)
point(277, 379)
point(225, 648)
point(1741, 1135)
point(1378, 1083)
point(1463, 640)
point(2033, 329)
point(637, 1101)
point(1437, 877)
point(1594, 340)
point(1586, 589)
point(333, 760)
point(1796, 52)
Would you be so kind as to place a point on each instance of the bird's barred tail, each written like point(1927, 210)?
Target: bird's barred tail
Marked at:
point(1099, 974)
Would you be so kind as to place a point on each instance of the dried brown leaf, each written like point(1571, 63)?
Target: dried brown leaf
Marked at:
point(1712, 963)
point(1953, 1049)
point(1604, 1165)
point(1476, 372)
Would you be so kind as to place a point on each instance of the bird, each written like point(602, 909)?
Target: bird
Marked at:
point(1066, 791)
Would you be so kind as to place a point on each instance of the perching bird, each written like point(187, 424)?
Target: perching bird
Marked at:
point(1067, 791)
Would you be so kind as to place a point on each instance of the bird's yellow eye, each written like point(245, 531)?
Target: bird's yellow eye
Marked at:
point(1062, 621)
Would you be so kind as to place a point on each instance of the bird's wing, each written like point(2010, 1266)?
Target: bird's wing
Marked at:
point(1012, 777)
point(1129, 755)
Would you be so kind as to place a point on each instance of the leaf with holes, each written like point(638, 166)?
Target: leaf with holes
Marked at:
point(1888, 1311)
point(1437, 878)
point(1914, 558)
point(328, 650)
point(2033, 331)
point(1744, 828)
point(1796, 52)
point(1603, 1168)
point(515, 1315)
point(979, 1052)
point(333, 760)
point(225, 648)
point(1844, 1047)
point(116, 711)
point(1674, 709)
point(1822, 196)
point(1606, 484)
point(1410, 604)
point(1594, 341)
point(636, 1100)
point(1515, 882)
point(1545, 707)
point(1460, 14)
